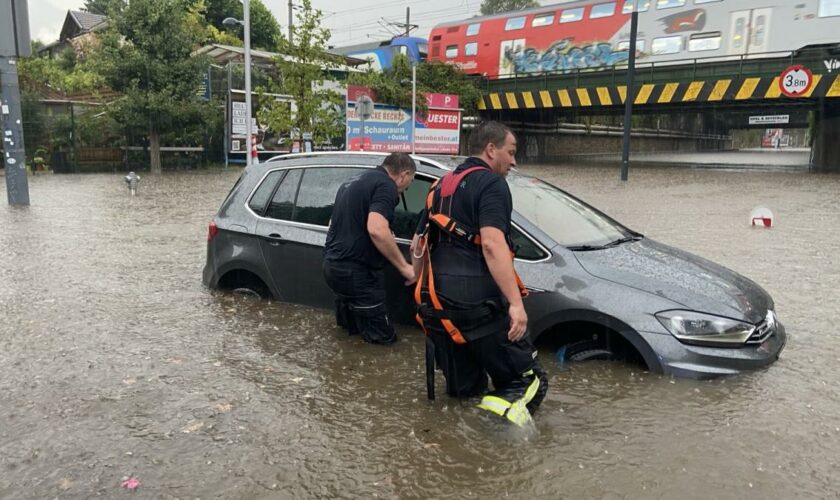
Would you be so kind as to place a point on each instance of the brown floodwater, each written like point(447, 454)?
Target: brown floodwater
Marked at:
point(115, 361)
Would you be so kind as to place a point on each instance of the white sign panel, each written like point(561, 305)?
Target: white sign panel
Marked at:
point(769, 119)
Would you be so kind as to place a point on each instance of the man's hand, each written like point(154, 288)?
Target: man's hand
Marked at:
point(407, 272)
point(518, 322)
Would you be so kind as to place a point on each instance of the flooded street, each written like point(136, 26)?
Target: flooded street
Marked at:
point(115, 361)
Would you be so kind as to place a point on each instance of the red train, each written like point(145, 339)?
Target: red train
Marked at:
point(594, 34)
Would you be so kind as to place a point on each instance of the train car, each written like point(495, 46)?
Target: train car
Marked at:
point(594, 35)
point(381, 54)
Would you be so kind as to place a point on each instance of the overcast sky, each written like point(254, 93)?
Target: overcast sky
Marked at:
point(351, 22)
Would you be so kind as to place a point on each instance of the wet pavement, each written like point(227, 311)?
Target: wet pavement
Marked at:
point(116, 362)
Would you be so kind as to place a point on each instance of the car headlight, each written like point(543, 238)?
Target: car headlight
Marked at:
point(705, 329)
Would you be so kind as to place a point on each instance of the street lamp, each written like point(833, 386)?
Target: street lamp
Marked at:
point(413, 105)
point(246, 23)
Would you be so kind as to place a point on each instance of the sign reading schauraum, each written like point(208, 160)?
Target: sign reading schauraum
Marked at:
point(389, 127)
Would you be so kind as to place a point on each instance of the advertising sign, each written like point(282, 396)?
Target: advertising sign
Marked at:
point(389, 128)
point(769, 119)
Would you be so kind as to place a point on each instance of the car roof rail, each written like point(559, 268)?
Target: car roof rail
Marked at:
point(291, 156)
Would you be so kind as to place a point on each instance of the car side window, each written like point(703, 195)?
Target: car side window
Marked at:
point(412, 202)
point(316, 197)
point(282, 205)
point(263, 193)
point(524, 248)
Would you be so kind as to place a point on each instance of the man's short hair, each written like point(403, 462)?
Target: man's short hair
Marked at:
point(397, 163)
point(486, 133)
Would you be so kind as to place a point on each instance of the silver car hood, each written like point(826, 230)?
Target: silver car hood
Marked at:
point(694, 282)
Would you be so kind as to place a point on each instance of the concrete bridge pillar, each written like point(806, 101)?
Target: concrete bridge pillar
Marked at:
point(825, 152)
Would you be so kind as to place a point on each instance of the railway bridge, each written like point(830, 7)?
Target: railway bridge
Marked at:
point(718, 94)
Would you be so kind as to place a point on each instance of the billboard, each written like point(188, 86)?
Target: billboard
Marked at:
point(389, 127)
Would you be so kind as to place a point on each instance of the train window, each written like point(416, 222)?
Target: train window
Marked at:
point(738, 33)
point(515, 23)
point(451, 51)
point(571, 15)
point(666, 45)
point(669, 4)
point(471, 49)
point(704, 41)
point(423, 50)
point(759, 29)
point(542, 20)
point(641, 6)
point(473, 29)
point(625, 45)
point(602, 10)
point(829, 8)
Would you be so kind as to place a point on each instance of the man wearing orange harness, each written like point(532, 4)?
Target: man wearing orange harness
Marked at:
point(468, 293)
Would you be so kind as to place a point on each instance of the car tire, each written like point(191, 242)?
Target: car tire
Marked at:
point(247, 291)
point(588, 350)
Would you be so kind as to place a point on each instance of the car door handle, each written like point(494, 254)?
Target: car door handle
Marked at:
point(274, 239)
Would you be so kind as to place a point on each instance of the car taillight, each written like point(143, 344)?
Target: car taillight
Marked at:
point(212, 230)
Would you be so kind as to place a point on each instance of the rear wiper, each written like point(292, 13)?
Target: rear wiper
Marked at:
point(622, 240)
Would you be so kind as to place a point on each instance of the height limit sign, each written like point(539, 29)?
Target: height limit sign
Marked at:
point(796, 81)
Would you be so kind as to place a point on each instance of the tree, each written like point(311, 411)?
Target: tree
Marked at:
point(392, 86)
point(489, 7)
point(146, 56)
point(104, 7)
point(265, 31)
point(304, 75)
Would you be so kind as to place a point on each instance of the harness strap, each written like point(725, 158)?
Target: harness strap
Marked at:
point(448, 185)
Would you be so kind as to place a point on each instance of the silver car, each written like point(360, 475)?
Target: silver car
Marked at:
point(598, 289)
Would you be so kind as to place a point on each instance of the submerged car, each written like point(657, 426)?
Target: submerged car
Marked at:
point(598, 289)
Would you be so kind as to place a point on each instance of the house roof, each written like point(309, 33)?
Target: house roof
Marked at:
point(79, 22)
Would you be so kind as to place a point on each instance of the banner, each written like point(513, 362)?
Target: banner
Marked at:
point(389, 127)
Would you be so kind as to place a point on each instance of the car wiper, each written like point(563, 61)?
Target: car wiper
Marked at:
point(586, 248)
point(622, 240)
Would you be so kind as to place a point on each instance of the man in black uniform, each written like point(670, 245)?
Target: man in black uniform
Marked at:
point(470, 296)
point(359, 241)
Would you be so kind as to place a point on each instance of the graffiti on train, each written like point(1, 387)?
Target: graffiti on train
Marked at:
point(562, 56)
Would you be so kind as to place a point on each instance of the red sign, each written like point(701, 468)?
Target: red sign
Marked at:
point(796, 81)
point(356, 91)
point(442, 101)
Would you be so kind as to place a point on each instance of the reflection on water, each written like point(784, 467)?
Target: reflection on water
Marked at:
point(115, 361)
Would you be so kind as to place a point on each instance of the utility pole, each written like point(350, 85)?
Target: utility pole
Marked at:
point(407, 25)
point(14, 43)
point(291, 20)
point(628, 100)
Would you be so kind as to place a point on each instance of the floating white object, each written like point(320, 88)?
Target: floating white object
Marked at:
point(761, 217)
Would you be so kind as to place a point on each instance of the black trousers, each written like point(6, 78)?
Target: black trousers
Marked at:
point(360, 300)
point(511, 366)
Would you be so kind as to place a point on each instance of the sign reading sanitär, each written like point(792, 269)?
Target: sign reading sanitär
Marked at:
point(796, 81)
point(769, 119)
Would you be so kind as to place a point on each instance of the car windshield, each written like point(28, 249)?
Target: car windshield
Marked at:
point(567, 220)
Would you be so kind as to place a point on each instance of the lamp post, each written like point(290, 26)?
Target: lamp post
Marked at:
point(413, 105)
point(628, 100)
point(246, 23)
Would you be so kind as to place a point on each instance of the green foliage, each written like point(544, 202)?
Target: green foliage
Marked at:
point(146, 56)
point(394, 85)
point(265, 31)
point(304, 76)
point(489, 7)
point(104, 7)
point(63, 73)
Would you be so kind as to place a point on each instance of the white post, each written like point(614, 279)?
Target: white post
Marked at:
point(248, 131)
point(413, 107)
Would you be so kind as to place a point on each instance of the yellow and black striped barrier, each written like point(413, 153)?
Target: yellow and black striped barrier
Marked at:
point(713, 91)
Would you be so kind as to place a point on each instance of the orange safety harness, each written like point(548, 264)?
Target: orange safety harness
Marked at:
point(426, 282)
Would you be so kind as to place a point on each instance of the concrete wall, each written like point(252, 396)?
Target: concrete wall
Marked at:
point(825, 155)
point(538, 145)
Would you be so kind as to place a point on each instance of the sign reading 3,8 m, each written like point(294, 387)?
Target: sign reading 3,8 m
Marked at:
point(796, 81)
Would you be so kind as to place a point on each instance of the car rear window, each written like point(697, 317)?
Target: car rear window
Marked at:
point(282, 205)
point(263, 193)
point(316, 196)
